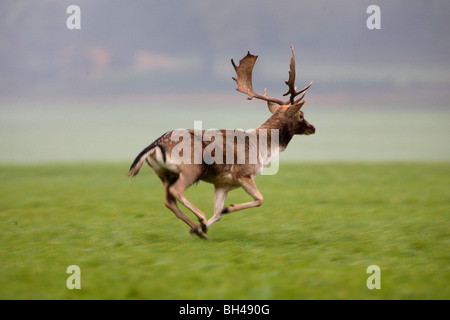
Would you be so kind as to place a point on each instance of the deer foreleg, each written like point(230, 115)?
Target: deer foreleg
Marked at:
point(220, 194)
point(248, 184)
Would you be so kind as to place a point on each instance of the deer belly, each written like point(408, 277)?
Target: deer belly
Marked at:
point(220, 175)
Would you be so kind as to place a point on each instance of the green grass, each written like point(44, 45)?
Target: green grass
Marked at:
point(319, 229)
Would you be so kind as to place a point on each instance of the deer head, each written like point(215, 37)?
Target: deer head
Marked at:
point(285, 111)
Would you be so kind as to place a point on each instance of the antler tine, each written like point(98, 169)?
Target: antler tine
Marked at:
point(302, 91)
point(244, 79)
point(291, 83)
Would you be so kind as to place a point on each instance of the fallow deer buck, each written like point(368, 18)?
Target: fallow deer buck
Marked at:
point(287, 120)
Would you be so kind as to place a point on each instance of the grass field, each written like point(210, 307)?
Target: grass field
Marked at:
point(319, 229)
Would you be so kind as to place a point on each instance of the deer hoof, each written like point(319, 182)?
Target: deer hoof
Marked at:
point(227, 209)
point(199, 232)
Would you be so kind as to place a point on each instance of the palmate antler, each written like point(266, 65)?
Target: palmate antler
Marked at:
point(244, 81)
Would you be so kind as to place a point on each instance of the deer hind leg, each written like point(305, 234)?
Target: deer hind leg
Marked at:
point(248, 184)
point(176, 190)
point(171, 203)
point(220, 194)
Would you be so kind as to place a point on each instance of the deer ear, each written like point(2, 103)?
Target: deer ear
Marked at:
point(291, 111)
point(273, 107)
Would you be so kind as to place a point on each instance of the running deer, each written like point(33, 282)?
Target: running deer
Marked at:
point(221, 168)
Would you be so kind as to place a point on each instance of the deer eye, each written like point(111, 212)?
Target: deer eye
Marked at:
point(301, 118)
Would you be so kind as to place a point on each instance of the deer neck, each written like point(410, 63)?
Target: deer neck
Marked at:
point(285, 132)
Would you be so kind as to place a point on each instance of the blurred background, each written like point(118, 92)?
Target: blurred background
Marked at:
point(138, 68)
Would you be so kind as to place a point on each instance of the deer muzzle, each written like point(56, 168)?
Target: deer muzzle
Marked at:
point(309, 129)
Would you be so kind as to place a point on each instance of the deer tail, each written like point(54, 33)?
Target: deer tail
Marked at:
point(139, 161)
point(153, 150)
